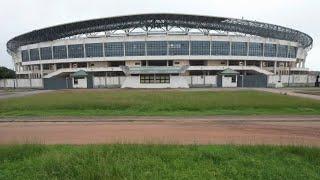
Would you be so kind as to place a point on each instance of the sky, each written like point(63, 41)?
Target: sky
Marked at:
point(21, 16)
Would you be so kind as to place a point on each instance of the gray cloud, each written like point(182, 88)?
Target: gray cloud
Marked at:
point(17, 17)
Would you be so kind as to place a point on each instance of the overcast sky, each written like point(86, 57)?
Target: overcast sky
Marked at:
point(21, 16)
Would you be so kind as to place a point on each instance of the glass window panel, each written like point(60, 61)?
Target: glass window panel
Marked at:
point(239, 49)
point(178, 47)
point(156, 48)
point(94, 50)
point(46, 53)
point(157, 78)
point(255, 49)
point(282, 51)
point(34, 55)
point(25, 55)
point(270, 50)
point(114, 49)
point(220, 48)
point(136, 48)
point(75, 51)
point(200, 48)
point(292, 52)
point(60, 52)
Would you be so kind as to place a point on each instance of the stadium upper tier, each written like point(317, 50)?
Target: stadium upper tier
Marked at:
point(161, 21)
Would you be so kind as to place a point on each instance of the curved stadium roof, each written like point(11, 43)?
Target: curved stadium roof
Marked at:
point(160, 21)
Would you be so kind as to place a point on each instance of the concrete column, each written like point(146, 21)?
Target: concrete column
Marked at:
point(261, 62)
point(275, 67)
point(41, 70)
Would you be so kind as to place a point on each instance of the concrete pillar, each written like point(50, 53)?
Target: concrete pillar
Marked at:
point(41, 70)
point(261, 63)
point(275, 67)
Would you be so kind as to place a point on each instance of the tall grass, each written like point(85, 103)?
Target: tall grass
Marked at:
point(158, 162)
point(139, 102)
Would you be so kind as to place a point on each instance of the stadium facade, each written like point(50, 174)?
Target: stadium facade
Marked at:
point(160, 51)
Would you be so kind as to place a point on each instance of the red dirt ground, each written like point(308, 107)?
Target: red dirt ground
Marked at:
point(166, 130)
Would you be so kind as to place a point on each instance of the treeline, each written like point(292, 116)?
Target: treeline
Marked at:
point(6, 73)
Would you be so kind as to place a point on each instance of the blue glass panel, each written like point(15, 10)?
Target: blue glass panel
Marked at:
point(200, 48)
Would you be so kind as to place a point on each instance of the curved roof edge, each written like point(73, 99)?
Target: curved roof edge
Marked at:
point(160, 20)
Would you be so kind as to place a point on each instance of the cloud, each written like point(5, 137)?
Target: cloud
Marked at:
point(17, 17)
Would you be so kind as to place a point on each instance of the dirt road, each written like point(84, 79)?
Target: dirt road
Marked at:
point(300, 130)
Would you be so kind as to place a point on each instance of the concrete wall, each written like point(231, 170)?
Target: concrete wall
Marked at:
point(181, 62)
point(292, 80)
point(202, 81)
point(99, 64)
point(100, 82)
point(217, 63)
point(175, 82)
point(21, 83)
point(133, 63)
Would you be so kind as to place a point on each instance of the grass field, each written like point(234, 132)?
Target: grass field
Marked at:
point(158, 162)
point(153, 102)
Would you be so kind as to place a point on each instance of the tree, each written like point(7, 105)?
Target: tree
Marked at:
point(6, 73)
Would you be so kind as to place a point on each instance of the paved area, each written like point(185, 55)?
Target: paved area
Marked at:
point(297, 130)
point(20, 93)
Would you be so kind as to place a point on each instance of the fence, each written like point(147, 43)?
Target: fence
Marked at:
point(193, 81)
point(252, 81)
point(21, 83)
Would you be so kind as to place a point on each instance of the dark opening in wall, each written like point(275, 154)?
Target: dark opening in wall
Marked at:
point(234, 63)
point(82, 65)
point(116, 63)
point(157, 63)
point(197, 73)
point(63, 65)
point(198, 63)
point(253, 63)
point(100, 74)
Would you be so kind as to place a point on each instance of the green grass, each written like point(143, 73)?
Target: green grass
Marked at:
point(158, 162)
point(155, 102)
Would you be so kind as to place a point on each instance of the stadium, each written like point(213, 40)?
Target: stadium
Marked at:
point(160, 51)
